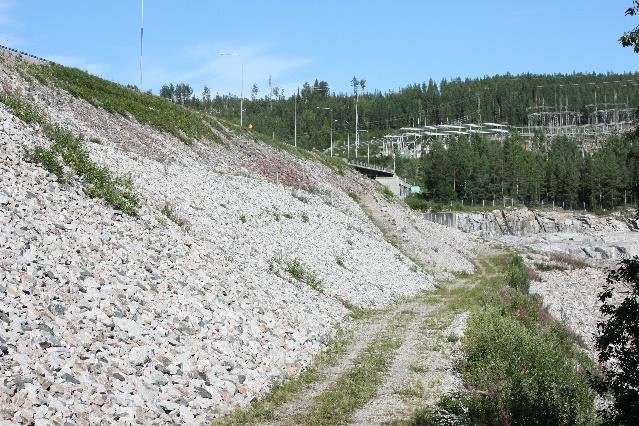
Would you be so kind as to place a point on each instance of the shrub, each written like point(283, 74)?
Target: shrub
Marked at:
point(515, 376)
point(417, 202)
point(517, 274)
point(618, 343)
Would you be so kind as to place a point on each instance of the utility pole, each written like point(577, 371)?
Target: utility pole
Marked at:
point(242, 99)
point(141, 43)
point(295, 115)
point(356, 126)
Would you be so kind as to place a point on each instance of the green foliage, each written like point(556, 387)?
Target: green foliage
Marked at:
point(67, 149)
point(516, 376)
point(631, 38)
point(517, 274)
point(297, 270)
point(618, 343)
point(305, 218)
point(48, 159)
point(146, 109)
point(22, 109)
point(354, 196)
point(519, 365)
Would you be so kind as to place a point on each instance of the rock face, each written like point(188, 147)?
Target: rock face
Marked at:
point(582, 235)
point(160, 318)
point(520, 222)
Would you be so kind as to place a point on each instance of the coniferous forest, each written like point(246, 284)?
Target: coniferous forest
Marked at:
point(480, 170)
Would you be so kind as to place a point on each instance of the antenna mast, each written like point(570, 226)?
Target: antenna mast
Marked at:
point(141, 42)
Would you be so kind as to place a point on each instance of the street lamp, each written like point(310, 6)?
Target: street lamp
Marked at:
point(241, 90)
point(332, 121)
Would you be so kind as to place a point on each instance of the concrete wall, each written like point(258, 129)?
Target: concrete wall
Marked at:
point(396, 185)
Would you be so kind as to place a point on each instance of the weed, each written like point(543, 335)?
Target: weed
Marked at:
point(95, 141)
point(340, 261)
point(305, 217)
point(517, 274)
point(452, 338)
point(354, 196)
point(168, 211)
point(570, 261)
point(417, 369)
point(300, 197)
point(388, 193)
point(288, 215)
point(545, 267)
point(243, 219)
point(22, 109)
point(296, 269)
point(414, 390)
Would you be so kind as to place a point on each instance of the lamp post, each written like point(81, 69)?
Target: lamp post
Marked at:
point(332, 121)
point(241, 89)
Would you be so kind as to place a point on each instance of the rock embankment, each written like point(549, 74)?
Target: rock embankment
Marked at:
point(189, 309)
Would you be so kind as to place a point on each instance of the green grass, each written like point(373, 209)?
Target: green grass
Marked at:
point(160, 113)
point(264, 409)
point(413, 390)
point(69, 150)
point(359, 384)
point(356, 311)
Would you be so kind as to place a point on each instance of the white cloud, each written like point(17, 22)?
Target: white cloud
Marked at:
point(204, 65)
point(76, 62)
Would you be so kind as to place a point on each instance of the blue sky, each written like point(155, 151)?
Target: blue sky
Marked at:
point(389, 43)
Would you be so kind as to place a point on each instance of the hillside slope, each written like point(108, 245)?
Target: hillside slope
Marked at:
point(241, 262)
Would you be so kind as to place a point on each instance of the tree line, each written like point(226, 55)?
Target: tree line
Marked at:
point(479, 169)
point(502, 98)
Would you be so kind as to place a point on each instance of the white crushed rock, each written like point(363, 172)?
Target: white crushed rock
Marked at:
point(106, 318)
point(439, 249)
point(571, 296)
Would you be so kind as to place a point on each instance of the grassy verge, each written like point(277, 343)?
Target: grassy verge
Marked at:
point(67, 150)
point(264, 409)
point(359, 384)
point(519, 365)
point(160, 113)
